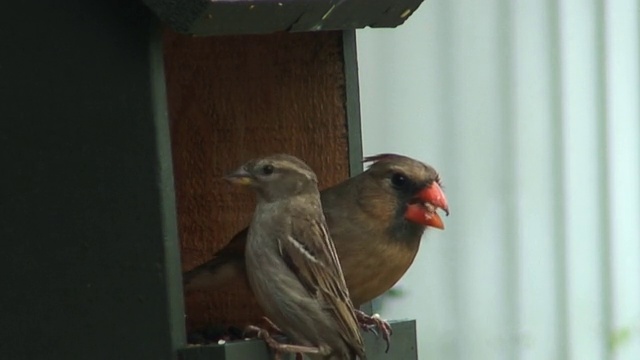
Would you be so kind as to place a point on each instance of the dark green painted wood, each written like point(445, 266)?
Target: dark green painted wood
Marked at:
point(403, 343)
point(352, 92)
point(237, 350)
point(403, 347)
point(90, 253)
point(216, 17)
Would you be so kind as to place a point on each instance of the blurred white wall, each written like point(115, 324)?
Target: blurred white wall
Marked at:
point(530, 111)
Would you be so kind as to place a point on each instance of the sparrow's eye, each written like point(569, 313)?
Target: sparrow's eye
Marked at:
point(267, 169)
point(398, 180)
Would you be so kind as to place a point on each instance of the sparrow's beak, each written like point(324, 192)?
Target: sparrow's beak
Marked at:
point(240, 177)
point(423, 208)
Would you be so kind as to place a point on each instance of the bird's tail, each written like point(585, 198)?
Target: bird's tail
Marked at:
point(228, 264)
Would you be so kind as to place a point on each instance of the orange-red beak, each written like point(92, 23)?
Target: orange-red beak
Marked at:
point(423, 208)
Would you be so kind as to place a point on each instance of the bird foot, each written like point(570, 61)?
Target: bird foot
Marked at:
point(375, 323)
point(277, 347)
point(275, 327)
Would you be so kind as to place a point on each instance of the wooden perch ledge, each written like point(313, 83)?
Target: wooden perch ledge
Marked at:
point(218, 17)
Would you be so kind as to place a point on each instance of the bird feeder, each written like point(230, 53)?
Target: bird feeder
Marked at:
point(119, 119)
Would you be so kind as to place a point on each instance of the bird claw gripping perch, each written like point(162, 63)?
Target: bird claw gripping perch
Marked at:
point(375, 324)
point(277, 347)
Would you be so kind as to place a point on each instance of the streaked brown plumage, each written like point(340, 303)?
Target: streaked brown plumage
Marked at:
point(375, 221)
point(291, 262)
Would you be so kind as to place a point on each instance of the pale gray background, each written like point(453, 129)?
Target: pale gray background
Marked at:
point(530, 111)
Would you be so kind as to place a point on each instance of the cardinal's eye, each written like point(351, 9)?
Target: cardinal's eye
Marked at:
point(398, 180)
point(267, 169)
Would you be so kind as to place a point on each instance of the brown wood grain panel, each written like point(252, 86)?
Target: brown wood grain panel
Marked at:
point(234, 98)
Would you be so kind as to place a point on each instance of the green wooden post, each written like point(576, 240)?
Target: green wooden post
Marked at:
point(90, 256)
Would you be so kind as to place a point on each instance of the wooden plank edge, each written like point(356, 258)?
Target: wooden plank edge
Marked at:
point(403, 346)
point(224, 17)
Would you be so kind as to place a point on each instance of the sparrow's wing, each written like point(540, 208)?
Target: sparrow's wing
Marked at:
point(309, 252)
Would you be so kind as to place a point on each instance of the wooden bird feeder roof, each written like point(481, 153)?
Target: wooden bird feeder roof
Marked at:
point(218, 17)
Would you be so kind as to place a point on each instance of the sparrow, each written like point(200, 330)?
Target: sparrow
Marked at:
point(291, 262)
point(376, 220)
